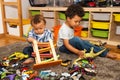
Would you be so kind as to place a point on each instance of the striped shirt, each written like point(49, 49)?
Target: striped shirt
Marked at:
point(43, 37)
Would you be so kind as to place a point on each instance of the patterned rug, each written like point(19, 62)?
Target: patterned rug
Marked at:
point(107, 69)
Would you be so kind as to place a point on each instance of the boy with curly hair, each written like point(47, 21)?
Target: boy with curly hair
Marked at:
point(68, 43)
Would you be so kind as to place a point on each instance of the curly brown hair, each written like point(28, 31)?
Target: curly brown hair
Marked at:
point(74, 9)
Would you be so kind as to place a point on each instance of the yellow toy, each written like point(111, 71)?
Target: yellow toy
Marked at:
point(97, 43)
point(28, 72)
point(17, 55)
point(88, 55)
point(92, 54)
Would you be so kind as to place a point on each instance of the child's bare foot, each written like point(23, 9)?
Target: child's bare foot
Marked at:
point(28, 61)
point(111, 55)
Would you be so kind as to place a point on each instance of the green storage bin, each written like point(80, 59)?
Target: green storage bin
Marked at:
point(86, 16)
point(34, 12)
point(99, 33)
point(62, 16)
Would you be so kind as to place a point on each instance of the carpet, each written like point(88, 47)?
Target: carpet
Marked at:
point(107, 69)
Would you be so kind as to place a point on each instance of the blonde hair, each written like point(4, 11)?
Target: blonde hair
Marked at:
point(37, 19)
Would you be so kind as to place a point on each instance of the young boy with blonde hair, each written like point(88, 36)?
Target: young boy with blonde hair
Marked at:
point(39, 33)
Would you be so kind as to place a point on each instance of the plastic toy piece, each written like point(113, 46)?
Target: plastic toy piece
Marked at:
point(25, 76)
point(41, 64)
point(66, 63)
point(98, 43)
point(37, 78)
point(11, 77)
point(17, 55)
point(92, 54)
point(3, 75)
point(28, 72)
point(6, 63)
point(84, 66)
point(34, 74)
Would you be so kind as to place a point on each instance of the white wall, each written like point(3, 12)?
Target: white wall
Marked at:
point(11, 12)
point(25, 6)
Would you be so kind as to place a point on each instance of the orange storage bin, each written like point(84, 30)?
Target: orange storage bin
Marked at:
point(77, 31)
point(55, 32)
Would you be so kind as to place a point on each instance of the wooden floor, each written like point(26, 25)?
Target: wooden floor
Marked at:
point(6, 41)
point(115, 50)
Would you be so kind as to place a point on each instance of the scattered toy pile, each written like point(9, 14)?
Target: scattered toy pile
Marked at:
point(11, 68)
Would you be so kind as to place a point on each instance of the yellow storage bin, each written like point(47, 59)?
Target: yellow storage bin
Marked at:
point(24, 21)
point(117, 17)
point(100, 25)
point(84, 34)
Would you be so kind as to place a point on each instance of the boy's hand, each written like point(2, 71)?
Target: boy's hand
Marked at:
point(81, 54)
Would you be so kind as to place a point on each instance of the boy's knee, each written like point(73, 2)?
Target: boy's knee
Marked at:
point(76, 39)
point(27, 50)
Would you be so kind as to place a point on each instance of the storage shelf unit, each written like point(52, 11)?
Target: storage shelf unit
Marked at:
point(112, 37)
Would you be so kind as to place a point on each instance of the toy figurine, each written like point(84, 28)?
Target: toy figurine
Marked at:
point(92, 54)
point(25, 76)
point(17, 55)
point(34, 74)
point(37, 78)
point(5, 63)
point(84, 66)
point(3, 75)
point(66, 63)
point(11, 77)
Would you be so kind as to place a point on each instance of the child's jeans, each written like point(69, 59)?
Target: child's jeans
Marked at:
point(28, 51)
point(81, 45)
